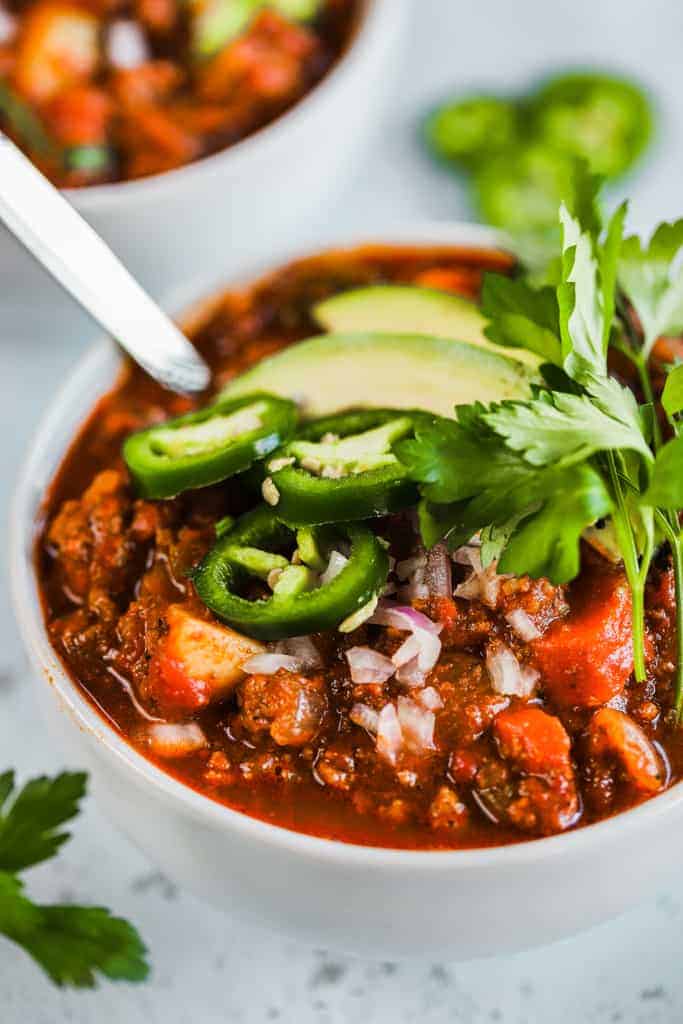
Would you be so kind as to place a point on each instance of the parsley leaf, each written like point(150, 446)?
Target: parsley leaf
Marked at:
point(586, 294)
point(561, 428)
point(666, 485)
point(547, 543)
point(29, 829)
point(672, 395)
point(521, 316)
point(71, 943)
point(652, 280)
point(454, 459)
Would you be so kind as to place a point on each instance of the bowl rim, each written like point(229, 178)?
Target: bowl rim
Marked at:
point(25, 516)
point(375, 27)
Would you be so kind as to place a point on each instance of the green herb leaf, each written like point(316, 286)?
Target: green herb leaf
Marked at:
point(561, 428)
point(587, 293)
point(71, 943)
point(672, 395)
point(547, 543)
point(578, 297)
point(652, 281)
point(455, 459)
point(521, 316)
point(666, 486)
point(29, 829)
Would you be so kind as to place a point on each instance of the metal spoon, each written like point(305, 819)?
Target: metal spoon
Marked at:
point(85, 266)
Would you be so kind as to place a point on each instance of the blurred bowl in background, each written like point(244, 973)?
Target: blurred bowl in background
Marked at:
point(183, 221)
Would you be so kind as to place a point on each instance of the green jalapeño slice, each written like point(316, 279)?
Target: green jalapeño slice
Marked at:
point(297, 598)
point(207, 446)
point(342, 469)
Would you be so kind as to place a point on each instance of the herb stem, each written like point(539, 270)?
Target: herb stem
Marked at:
point(641, 364)
point(671, 529)
point(636, 572)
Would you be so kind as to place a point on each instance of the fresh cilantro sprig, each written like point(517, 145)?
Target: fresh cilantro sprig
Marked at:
point(71, 943)
point(532, 475)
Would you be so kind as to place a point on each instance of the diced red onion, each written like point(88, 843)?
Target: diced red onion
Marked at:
point(269, 663)
point(483, 584)
point(417, 725)
point(429, 698)
point(507, 675)
point(335, 565)
point(523, 625)
point(402, 616)
point(408, 650)
point(302, 648)
point(426, 647)
point(169, 739)
point(412, 572)
point(410, 674)
point(469, 554)
point(366, 717)
point(126, 45)
point(368, 666)
point(389, 736)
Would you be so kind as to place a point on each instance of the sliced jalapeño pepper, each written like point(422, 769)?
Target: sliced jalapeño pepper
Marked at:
point(207, 446)
point(607, 121)
point(342, 469)
point(256, 549)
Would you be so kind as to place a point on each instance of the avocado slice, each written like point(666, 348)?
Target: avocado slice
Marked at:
point(401, 371)
point(408, 308)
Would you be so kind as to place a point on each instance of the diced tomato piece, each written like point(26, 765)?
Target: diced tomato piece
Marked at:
point(58, 46)
point(197, 663)
point(533, 741)
point(80, 116)
point(586, 658)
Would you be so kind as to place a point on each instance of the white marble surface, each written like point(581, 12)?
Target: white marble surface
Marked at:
point(205, 972)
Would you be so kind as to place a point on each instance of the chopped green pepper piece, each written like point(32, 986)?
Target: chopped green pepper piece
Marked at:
point(94, 161)
point(309, 548)
point(294, 608)
point(345, 471)
point(256, 562)
point(294, 580)
point(224, 525)
point(602, 119)
point(208, 446)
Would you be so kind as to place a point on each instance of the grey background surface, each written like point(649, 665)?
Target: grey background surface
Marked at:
point(206, 970)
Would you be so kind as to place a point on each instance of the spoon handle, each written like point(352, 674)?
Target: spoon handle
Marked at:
point(85, 266)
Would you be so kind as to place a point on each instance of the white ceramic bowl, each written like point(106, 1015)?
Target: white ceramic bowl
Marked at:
point(378, 903)
point(176, 224)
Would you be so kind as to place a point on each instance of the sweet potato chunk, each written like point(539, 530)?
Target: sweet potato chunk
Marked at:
point(532, 740)
point(586, 658)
